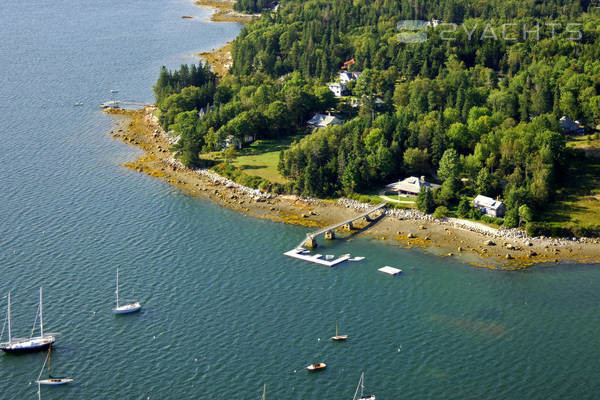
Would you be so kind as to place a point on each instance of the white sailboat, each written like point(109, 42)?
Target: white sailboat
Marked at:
point(126, 308)
point(361, 386)
point(264, 396)
point(338, 337)
point(51, 380)
point(19, 345)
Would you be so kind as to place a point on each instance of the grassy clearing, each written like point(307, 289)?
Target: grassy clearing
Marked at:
point(583, 142)
point(578, 202)
point(261, 158)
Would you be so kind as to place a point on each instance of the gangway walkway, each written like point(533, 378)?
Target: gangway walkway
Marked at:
point(116, 103)
point(311, 236)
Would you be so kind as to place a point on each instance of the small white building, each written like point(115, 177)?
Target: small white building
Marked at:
point(319, 121)
point(489, 206)
point(347, 76)
point(411, 186)
point(338, 89)
point(433, 23)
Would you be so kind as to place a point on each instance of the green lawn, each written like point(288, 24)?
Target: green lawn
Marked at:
point(578, 202)
point(261, 158)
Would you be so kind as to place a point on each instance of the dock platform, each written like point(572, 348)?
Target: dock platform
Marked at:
point(298, 253)
point(390, 270)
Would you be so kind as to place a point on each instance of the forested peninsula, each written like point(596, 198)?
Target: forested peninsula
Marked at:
point(476, 107)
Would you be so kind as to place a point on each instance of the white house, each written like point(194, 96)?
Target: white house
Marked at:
point(347, 76)
point(411, 186)
point(433, 23)
point(323, 120)
point(489, 206)
point(338, 89)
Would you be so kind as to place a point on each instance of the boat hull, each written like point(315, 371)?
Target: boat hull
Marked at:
point(130, 308)
point(55, 382)
point(316, 367)
point(339, 338)
point(27, 347)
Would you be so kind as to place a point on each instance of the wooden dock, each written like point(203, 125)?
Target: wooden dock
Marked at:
point(118, 103)
point(390, 270)
point(310, 238)
point(300, 254)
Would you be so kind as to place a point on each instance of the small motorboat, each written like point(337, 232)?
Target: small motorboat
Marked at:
point(337, 337)
point(356, 259)
point(78, 103)
point(316, 367)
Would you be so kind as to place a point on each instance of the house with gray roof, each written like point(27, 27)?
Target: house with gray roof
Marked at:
point(489, 206)
point(411, 186)
point(570, 127)
point(319, 121)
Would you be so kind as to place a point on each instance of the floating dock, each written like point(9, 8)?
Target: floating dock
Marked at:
point(390, 270)
point(301, 254)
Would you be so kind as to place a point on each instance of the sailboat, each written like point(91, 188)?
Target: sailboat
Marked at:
point(264, 397)
point(51, 379)
point(361, 386)
point(338, 337)
point(18, 345)
point(127, 308)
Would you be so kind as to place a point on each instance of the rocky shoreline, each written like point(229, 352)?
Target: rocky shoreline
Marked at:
point(473, 242)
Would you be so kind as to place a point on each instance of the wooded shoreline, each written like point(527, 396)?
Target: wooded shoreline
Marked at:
point(141, 128)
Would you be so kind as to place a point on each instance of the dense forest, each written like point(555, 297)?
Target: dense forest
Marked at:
point(475, 106)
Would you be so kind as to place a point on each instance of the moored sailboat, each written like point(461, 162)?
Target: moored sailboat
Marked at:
point(126, 308)
point(21, 345)
point(361, 386)
point(338, 337)
point(51, 380)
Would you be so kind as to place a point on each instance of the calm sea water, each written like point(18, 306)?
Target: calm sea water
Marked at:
point(224, 311)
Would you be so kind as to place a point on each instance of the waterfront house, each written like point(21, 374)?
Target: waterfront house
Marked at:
point(489, 206)
point(338, 89)
point(323, 121)
point(569, 126)
point(411, 186)
point(347, 76)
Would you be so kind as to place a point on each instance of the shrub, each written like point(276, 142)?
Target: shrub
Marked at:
point(492, 220)
point(475, 213)
point(464, 207)
point(440, 212)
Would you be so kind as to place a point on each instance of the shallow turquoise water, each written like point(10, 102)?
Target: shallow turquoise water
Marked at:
point(224, 310)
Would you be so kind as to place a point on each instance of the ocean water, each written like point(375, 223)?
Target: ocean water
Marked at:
point(223, 310)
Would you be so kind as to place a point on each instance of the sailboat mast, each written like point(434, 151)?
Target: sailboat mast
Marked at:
point(41, 315)
point(9, 331)
point(117, 291)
